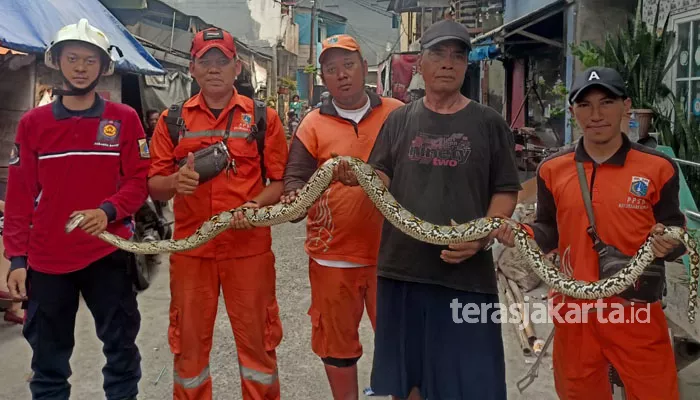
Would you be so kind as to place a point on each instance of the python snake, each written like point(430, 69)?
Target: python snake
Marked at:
point(420, 230)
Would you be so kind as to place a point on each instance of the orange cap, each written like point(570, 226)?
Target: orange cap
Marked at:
point(342, 41)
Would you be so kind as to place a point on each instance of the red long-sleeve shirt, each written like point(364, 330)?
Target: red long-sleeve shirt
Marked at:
point(64, 161)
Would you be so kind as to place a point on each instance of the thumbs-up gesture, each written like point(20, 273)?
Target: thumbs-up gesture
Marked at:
point(187, 179)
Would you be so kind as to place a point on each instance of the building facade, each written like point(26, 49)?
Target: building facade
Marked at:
point(325, 24)
point(684, 19)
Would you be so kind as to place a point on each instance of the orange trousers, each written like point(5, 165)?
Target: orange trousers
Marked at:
point(248, 286)
point(338, 300)
point(640, 350)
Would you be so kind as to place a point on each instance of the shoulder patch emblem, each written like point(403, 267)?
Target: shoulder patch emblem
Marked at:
point(639, 186)
point(144, 152)
point(14, 155)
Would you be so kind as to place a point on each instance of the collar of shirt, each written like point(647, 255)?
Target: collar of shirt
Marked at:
point(617, 159)
point(61, 112)
point(327, 108)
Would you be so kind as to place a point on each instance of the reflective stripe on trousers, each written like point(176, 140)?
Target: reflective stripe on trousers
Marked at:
point(257, 376)
point(191, 383)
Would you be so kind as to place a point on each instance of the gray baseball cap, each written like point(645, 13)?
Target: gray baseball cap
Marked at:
point(445, 30)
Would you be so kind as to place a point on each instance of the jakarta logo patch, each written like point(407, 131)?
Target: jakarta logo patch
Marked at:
point(639, 186)
point(144, 152)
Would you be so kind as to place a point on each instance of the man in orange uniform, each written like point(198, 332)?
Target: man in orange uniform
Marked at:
point(634, 192)
point(239, 261)
point(344, 226)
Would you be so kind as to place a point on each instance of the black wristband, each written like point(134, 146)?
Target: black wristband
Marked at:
point(19, 262)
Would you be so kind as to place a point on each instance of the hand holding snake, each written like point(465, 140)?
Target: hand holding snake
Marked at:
point(424, 231)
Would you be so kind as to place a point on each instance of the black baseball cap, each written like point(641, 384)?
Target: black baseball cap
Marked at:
point(607, 78)
point(445, 30)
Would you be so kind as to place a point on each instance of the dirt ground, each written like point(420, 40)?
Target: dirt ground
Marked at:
point(301, 373)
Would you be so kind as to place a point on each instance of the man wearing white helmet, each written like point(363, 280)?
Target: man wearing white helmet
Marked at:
point(80, 154)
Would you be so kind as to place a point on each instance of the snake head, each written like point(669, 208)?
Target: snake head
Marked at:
point(74, 222)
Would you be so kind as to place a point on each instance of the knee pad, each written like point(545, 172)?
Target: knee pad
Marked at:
point(340, 362)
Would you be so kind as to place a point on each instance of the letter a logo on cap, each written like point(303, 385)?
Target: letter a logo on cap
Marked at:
point(594, 75)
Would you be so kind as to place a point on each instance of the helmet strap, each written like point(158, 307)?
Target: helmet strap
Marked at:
point(75, 91)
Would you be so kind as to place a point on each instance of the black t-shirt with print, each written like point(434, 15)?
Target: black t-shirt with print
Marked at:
point(443, 167)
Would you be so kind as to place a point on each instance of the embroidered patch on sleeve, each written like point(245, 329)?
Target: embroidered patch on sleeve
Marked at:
point(14, 155)
point(144, 152)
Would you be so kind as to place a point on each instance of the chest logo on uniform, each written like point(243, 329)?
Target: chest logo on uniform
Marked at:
point(14, 155)
point(440, 150)
point(244, 124)
point(636, 199)
point(108, 133)
point(639, 186)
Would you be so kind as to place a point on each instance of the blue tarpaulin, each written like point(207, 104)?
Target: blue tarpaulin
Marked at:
point(485, 50)
point(29, 26)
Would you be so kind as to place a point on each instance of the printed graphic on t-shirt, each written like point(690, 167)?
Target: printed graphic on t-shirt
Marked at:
point(440, 150)
point(321, 225)
point(108, 133)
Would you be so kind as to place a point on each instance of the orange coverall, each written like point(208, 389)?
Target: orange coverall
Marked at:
point(631, 192)
point(240, 262)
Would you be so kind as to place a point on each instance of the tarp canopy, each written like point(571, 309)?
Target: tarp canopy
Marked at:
point(30, 26)
point(486, 50)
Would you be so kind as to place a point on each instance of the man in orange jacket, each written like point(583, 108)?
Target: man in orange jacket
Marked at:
point(344, 226)
point(633, 193)
point(241, 262)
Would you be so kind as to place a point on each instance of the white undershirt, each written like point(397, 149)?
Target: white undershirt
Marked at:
point(353, 115)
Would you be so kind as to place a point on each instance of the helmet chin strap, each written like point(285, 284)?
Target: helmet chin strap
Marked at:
point(75, 91)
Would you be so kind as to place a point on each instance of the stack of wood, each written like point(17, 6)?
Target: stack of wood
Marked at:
point(525, 331)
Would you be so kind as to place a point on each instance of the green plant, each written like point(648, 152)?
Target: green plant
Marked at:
point(287, 82)
point(589, 54)
point(682, 135)
point(310, 69)
point(561, 95)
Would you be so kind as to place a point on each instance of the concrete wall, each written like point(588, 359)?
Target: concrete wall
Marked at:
point(595, 18)
point(268, 17)
point(496, 95)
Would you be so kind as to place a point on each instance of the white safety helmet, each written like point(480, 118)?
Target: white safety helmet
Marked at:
point(81, 32)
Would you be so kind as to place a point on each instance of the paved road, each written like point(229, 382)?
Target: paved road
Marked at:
point(301, 373)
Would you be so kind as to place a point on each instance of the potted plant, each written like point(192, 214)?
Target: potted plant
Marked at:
point(286, 85)
point(642, 58)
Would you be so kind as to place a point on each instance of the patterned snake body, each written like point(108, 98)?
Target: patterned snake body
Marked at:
point(423, 231)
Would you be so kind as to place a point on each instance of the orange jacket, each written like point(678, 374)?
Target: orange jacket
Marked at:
point(631, 192)
point(344, 224)
point(225, 191)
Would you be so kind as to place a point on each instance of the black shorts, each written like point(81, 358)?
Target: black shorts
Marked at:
point(419, 344)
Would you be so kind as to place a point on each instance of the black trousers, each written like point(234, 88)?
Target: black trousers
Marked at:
point(106, 287)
